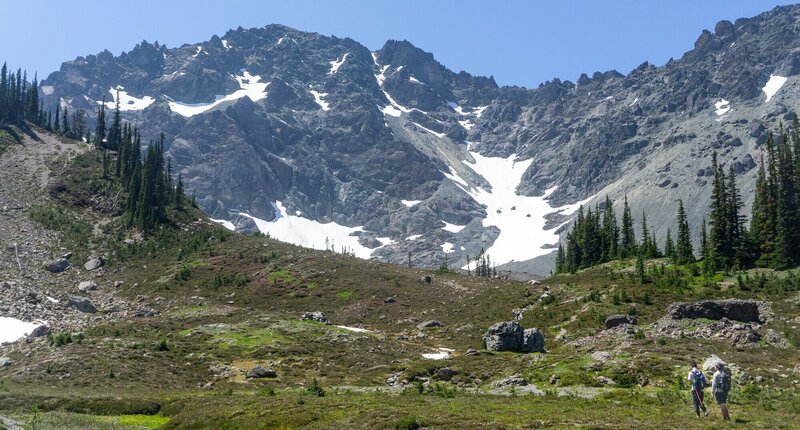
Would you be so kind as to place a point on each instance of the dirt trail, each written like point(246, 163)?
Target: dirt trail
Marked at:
point(25, 171)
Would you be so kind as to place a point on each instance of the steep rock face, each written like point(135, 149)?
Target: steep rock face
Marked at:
point(385, 151)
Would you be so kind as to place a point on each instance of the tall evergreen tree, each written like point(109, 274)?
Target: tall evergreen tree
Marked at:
point(628, 245)
point(100, 129)
point(669, 247)
point(683, 248)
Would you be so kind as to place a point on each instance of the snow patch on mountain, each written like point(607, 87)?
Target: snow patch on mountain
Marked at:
point(774, 84)
point(439, 135)
point(335, 64)
point(249, 86)
point(225, 44)
point(311, 234)
point(225, 223)
point(318, 97)
point(414, 80)
point(12, 329)
point(447, 247)
point(520, 219)
point(127, 102)
point(394, 108)
point(410, 203)
point(452, 228)
point(722, 107)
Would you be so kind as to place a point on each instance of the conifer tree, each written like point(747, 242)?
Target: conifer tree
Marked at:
point(683, 248)
point(610, 232)
point(628, 245)
point(669, 247)
point(100, 129)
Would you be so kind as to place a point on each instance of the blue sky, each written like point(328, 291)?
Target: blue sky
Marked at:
point(518, 42)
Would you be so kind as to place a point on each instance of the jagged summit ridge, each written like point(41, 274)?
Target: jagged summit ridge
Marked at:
point(338, 134)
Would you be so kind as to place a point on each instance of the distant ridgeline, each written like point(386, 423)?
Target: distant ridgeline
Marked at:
point(147, 181)
point(772, 239)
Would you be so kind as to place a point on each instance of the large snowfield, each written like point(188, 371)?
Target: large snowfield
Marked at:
point(520, 218)
point(309, 233)
point(249, 86)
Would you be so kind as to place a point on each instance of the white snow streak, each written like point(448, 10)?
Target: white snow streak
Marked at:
point(774, 84)
point(414, 80)
point(441, 354)
point(310, 233)
point(410, 203)
point(353, 329)
point(447, 247)
point(414, 237)
point(225, 223)
point(126, 102)
point(318, 97)
point(452, 228)
point(722, 107)
point(335, 64)
point(467, 124)
point(225, 44)
point(439, 135)
point(249, 86)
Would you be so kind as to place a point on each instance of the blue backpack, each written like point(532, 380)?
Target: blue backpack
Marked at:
point(698, 380)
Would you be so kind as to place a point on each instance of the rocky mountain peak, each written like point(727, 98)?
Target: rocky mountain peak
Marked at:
point(389, 151)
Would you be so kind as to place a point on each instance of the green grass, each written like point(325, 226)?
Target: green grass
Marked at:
point(58, 420)
point(228, 302)
point(345, 294)
point(76, 233)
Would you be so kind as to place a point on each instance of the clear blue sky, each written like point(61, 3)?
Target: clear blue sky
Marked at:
point(518, 42)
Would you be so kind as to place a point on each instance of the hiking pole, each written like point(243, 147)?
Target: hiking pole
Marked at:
point(699, 400)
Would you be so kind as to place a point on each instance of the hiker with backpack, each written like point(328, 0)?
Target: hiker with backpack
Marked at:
point(698, 382)
point(720, 385)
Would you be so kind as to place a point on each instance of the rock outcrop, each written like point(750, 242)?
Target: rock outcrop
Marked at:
point(618, 320)
point(732, 309)
point(315, 316)
point(510, 336)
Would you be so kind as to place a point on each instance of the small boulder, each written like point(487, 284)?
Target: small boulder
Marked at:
point(315, 316)
point(5, 362)
point(429, 324)
point(514, 381)
point(601, 356)
point(94, 264)
point(40, 331)
point(426, 279)
point(389, 300)
point(260, 372)
point(711, 363)
point(618, 320)
point(446, 374)
point(504, 336)
point(86, 286)
point(82, 304)
point(58, 266)
point(532, 340)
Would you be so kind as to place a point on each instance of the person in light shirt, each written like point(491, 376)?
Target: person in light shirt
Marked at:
point(720, 385)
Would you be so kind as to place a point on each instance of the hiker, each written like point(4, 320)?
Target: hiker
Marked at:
point(698, 381)
point(720, 385)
